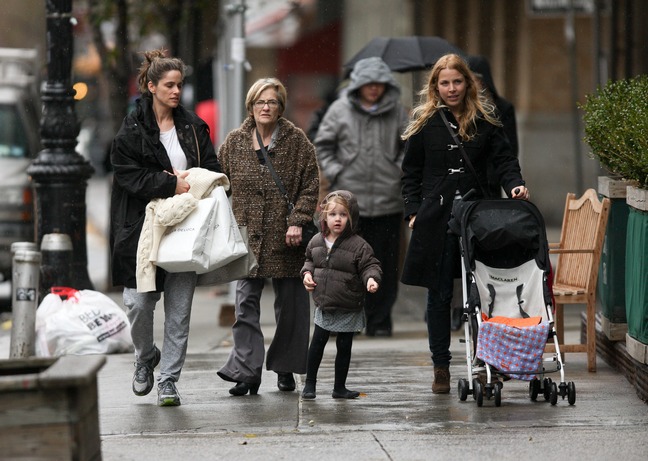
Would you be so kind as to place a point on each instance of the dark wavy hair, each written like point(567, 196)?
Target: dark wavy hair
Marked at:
point(155, 66)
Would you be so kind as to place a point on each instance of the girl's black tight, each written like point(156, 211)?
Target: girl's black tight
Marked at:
point(343, 342)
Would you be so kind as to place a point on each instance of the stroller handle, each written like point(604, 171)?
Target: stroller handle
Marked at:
point(469, 195)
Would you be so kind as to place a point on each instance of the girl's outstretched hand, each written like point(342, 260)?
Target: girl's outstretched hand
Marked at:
point(372, 285)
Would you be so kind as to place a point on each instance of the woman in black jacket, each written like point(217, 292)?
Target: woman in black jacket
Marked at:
point(156, 143)
point(434, 175)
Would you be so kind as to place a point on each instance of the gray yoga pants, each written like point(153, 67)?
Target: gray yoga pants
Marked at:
point(179, 290)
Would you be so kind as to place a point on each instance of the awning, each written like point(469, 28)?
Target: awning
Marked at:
point(275, 23)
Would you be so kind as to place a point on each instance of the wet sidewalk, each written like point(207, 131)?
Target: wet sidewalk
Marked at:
point(396, 418)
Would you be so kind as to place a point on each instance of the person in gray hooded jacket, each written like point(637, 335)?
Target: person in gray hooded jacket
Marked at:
point(359, 149)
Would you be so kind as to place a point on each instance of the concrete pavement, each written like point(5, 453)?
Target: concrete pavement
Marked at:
point(396, 418)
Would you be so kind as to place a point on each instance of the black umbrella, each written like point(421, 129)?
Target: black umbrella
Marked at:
point(406, 54)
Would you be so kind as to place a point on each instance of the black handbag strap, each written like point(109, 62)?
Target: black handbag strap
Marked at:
point(463, 152)
point(274, 174)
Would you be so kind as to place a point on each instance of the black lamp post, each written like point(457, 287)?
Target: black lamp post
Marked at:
point(59, 174)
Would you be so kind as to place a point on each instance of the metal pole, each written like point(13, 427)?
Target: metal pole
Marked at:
point(25, 281)
point(230, 67)
point(628, 40)
point(56, 266)
point(570, 34)
point(229, 72)
point(221, 71)
point(237, 54)
point(59, 174)
point(600, 64)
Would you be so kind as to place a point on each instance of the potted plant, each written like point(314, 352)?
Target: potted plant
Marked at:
point(616, 129)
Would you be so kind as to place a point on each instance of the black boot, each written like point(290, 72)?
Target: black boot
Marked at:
point(243, 388)
point(345, 393)
point(285, 382)
point(309, 390)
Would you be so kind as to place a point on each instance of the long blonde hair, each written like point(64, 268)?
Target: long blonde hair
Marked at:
point(476, 103)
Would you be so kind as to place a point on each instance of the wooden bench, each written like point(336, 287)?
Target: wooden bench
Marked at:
point(576, 272)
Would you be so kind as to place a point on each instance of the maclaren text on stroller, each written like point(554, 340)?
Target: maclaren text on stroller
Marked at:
point(507, 302)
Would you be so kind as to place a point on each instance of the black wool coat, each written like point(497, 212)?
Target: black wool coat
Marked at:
point(429, 188)
point(141, 173)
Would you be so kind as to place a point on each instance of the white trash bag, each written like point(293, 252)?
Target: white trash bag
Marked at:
point(80, 322)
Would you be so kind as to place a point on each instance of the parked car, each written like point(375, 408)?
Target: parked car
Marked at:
point(19, 144)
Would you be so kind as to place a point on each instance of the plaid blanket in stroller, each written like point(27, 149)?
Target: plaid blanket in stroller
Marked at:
point(507, 347)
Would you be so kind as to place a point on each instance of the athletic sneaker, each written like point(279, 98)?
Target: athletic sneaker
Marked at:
point(168, 395)
point(143, 376)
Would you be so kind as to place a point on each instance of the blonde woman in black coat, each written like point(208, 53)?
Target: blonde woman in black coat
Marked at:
point(434, 175)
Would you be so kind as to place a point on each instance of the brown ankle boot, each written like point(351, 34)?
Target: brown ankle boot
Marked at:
point(441, 384)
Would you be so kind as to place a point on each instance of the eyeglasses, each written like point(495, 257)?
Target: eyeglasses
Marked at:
point(272, 103)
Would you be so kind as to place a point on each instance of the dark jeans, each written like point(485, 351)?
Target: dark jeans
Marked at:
point(383, 233)
point(439, 302)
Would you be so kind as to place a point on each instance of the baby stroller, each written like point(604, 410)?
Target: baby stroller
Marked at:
point(507, 301)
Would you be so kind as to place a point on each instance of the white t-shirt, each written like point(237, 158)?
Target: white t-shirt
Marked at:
point(176, 155)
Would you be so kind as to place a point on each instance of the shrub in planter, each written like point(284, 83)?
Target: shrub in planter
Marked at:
point(616, 128)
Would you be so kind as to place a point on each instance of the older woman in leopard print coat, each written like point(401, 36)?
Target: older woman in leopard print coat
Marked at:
point(274, 237)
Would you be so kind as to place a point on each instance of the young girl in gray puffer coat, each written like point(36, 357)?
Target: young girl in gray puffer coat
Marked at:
point(340, 268)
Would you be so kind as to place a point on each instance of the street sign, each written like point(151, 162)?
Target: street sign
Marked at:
point(544, 7)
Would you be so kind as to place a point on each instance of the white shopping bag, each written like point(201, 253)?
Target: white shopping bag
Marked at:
point(238, 269)
point(208, 238)
point(227, 243)
point(185, 247)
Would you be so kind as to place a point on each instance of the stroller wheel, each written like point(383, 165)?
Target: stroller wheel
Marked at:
point(554, 394)
point(479, 393)
point(534, 389)
point(546, 388)
point(462, 388)
point(475, 382)
point(571, 392)
point(498, 395)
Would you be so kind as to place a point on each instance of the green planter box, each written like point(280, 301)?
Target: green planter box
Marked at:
point(611, 281)
point(637, 275)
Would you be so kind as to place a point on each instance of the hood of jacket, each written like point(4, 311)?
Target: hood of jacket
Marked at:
point(354, 211)
point(480, 66)
point(145, 116)
point(370, 70)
